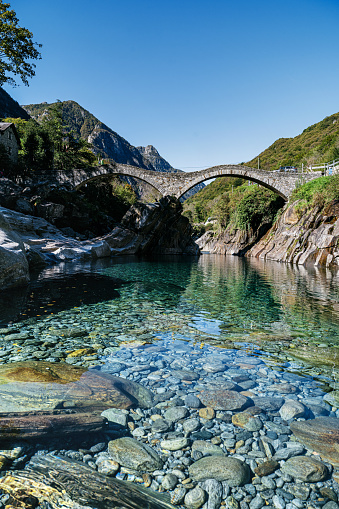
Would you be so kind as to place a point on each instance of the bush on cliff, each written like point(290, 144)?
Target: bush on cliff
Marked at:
point(257, 206)
point(318, 192)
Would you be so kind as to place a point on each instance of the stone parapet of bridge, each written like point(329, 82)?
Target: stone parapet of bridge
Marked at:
point(177, 184)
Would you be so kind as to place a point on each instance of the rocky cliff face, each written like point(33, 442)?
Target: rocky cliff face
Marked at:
point(312, 238)
point(153, 228)
point(28, 242)
point(230, 241)
point(13, 260)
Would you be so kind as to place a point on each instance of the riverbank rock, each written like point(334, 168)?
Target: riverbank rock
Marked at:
point(157, 228)
point(26, 240)
point(220, 468)
point(320, 435)
point(231, 242)
point(13, 261)
point(38, 385)
point(131, 453)
point(42, 243)
point(302, 238)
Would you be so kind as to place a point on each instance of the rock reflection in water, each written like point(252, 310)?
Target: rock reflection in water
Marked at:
point(53, 292)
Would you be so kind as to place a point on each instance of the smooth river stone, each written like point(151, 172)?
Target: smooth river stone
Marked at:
point(174, 444)
point(268, 404)
point(131, 453)
point(39, 385)
point(195, 498)
point(176, 413)
point(220, 468)
point(223, 399)
point(305, 469)
point(320, 435)
point(20, 336)
point(247, 421)
point(292, 409)
point(207, 448)
point(214, 367)
point(182, 374)
point(283, 388)
point(249, 360)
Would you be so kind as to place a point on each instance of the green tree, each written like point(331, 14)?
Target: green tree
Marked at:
point(17, 49)
point(69, 151)
point(36, 152)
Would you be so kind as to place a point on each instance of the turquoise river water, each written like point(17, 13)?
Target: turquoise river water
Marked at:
point(266, 307)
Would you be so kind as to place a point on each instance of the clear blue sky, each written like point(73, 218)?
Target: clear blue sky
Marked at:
point(205, 82)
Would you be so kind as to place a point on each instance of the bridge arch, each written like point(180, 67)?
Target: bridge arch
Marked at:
point(178, 183)
point(236, 172)
point(107, 175)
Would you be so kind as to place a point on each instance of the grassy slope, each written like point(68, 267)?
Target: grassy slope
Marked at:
point(316, 144)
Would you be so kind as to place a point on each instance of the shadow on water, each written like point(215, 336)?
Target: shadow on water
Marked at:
point(52, 292)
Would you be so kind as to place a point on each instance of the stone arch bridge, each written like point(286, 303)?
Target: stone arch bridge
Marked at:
point(179, 183)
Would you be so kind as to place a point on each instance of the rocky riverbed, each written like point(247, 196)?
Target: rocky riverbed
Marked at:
point(224, 428)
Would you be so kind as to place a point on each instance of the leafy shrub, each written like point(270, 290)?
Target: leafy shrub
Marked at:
point(258, 206)
point(318, 192)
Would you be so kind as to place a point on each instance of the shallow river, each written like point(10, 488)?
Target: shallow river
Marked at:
point(265, 329)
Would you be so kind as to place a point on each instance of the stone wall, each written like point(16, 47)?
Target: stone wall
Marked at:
point(9, 140)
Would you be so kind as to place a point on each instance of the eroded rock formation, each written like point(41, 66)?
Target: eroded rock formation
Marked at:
point(308, 238)
point(28, 241)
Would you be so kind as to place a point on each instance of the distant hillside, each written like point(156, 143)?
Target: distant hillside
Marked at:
point(10, 108)
point(317, 143)
point(107, 143)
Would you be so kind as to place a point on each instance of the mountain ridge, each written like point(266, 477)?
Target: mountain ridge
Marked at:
point(106, 142)
point(9, 108)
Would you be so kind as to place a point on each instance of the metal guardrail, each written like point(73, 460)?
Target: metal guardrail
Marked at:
point(328, 168)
